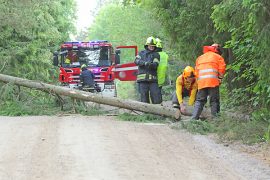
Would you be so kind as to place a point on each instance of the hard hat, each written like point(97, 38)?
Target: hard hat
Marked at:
point(213, 48)
point(151, 41)
point(67, 61)
point(215, 45)
point(83, 66)
point(159, 43)
point(188, 72)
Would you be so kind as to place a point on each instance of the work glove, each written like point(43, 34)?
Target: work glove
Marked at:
point(153, 66)
point(138, 61)
point(182, 108)
point(138, 57)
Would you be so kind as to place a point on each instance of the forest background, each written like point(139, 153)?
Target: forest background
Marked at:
point(31, 30)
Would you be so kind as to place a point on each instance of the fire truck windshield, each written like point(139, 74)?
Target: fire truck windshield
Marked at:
point(94, 57)
point(91, 56)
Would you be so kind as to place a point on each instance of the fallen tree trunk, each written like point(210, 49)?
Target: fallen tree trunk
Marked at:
point(97, 98)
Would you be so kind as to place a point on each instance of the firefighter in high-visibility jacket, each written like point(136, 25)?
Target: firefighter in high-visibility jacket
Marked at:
point(148, 61)
point(186, 85)
point(209, 70)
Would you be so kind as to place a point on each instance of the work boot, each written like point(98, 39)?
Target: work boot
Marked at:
point(198, 107)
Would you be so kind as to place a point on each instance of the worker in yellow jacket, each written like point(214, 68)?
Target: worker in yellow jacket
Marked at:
point(186, 85)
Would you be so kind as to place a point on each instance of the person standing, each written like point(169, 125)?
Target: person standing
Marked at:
point(209, 70)
point(148, 61)
point(186, 86)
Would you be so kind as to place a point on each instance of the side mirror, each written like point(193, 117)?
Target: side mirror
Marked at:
point(118, 51)
point(117, 56)
point(55, 59)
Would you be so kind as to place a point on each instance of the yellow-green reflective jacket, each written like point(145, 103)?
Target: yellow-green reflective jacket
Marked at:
point(162, 68)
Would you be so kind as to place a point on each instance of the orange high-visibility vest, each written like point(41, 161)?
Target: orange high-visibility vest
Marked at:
point(210, 68)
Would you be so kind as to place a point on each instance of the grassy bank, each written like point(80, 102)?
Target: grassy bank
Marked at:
point(228, 129)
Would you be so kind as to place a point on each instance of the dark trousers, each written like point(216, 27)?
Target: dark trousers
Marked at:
point(201, 100)
point(185, 93)
point(152, 89)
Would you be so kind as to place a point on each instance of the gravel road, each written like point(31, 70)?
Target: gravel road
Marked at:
point(102, 148)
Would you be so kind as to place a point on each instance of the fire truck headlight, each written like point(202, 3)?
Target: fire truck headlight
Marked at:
point(122, 75)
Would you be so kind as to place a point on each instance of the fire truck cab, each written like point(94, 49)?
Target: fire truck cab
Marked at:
point(99, 57)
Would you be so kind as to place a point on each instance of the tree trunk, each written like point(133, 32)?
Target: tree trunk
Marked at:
point(97, 98)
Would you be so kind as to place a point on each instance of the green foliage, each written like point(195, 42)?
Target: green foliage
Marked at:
point(167, 92)
point(247, 23)
point(121, 25)
point(126, 90)
point(201, 127)
point(262, 115)
point(19, 108)
point(248, 132)
point(266, 135)
point(84, 110)
point(187, 25)
point(17, 101)
point(30, 30)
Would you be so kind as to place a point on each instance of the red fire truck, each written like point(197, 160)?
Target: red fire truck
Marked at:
point(100, 58)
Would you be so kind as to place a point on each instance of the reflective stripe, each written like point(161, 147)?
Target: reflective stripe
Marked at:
point(141, 76)
point(207, 76)
point(208, 70)
point(152, 77)
point(99, 76)
point(74, 77)
point(145, 76)
point(156, 60)
point(125, 69)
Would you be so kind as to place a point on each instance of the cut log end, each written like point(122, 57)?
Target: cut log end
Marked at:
point(177, 115)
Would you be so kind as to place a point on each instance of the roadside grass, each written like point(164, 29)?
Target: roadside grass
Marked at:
point(85, 110)
point(200, 127)
point(18, 108)
point(42, 105)
point(228, 129)
point(145, 118)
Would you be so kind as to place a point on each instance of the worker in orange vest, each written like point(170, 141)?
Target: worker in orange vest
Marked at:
point(186, 85)
point(209, 71)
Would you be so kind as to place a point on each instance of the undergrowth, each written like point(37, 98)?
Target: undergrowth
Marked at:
point(145, 118)
point(24, 102)
point(248, 132)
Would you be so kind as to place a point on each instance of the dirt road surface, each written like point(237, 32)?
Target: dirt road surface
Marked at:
point(102, 148)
